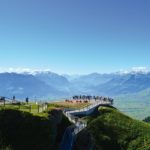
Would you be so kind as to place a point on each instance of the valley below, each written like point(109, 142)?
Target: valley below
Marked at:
point(138, 109)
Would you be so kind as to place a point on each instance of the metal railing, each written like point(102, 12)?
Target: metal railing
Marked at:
point(92, 106)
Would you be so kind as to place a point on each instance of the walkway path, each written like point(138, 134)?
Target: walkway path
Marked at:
point(79, 124)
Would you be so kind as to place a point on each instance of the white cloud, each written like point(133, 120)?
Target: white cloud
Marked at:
point(143, 69)
point(23, 70)
point(133, 70)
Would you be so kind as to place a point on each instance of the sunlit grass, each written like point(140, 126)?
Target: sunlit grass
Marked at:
point(63, 104)
point(30, 107)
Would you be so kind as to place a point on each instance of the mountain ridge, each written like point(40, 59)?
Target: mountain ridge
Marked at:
point(51, 84)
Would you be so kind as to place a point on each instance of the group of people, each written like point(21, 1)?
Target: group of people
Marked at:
point(89, 98)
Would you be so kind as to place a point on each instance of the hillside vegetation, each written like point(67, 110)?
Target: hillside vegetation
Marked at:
point(109, 129)
point(112, 130)
point(25, 131)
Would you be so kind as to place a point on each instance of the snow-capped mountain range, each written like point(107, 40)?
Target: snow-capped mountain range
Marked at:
point(142, 70)
point(44, 83)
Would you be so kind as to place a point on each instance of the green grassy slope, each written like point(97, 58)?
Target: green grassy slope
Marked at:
point(112, 130)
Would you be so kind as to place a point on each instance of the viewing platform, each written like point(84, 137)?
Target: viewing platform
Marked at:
point(72, 115)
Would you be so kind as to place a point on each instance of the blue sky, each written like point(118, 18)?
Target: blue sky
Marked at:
point(76, 37)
